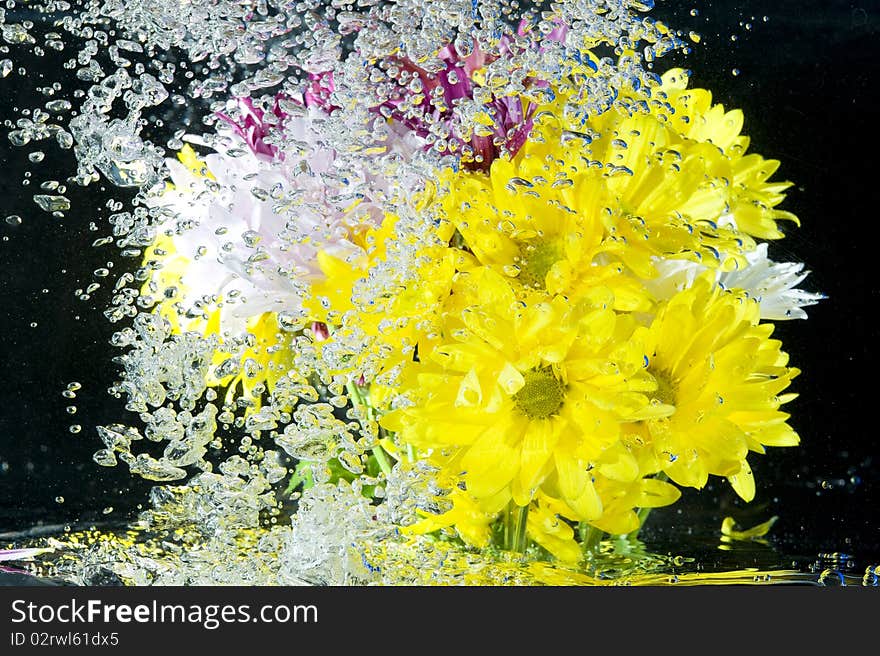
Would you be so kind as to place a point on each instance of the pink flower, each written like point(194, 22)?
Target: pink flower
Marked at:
point(253, 126)
point(7, 555)
point(511, 115)
point(435, 102)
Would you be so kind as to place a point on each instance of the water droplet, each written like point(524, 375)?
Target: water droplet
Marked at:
point(64, 139)
point(52, 203)
point(58, 106)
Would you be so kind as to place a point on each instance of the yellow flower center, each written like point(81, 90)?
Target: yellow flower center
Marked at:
point(665, 392)
point(542, 395)
point(536, 260)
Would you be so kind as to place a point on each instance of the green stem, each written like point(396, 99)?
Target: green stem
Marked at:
point(359, 400)
point(515, 523)
point(590, 537)
point(520, 525)
point(382, 458)
point(643, 516)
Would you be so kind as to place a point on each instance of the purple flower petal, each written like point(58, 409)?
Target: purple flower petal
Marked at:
point(512, 116)
point(21, 554)
point(252, 126)
point(317, 94)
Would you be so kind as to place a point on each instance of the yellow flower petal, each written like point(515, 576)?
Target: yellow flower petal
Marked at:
point(576, 486)
point(536, 453)
point(744, 482)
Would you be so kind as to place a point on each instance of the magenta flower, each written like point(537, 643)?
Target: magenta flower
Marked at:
point(317, 93)
point(7, 555)
point(253, 127)
point(431, 105)
point(420, 111)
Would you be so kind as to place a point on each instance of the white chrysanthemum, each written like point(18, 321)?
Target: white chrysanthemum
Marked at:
point(246, 229)
point(773, 284)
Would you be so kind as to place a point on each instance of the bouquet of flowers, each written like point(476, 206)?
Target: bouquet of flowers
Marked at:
point(506, 292)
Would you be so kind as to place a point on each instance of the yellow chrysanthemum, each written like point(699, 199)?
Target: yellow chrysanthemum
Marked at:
point(518, 221)
point(752, 197)
point(548, 529)
point(564, 216)
point(331, 296)
point(522, 398)
point(471, 519)
point(666, 176)
point(400, 318)
point(724, 376)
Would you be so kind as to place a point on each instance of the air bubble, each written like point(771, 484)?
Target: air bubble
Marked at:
point(59, 106)
point(51, 203)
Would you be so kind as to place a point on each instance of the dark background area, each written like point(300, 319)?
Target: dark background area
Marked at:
point(806, 82)
point(806, 78)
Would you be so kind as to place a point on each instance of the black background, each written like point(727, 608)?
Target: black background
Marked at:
point(806, 85)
